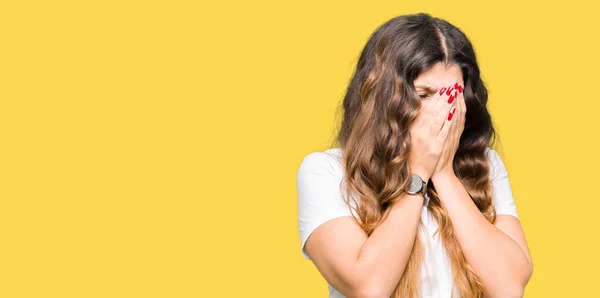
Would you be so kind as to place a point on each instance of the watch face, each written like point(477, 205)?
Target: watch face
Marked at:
point(416, 184)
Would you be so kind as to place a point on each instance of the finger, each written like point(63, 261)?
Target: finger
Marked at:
point(442, 136)
point(435, 102)
point(423, 112)
point(445, 107)
point(441, 114)
point(441, 118)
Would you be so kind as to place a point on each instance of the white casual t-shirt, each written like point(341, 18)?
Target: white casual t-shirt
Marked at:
point(320, 199)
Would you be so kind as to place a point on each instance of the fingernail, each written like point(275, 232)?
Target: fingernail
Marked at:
point(456, 85)
point(451, 114)
point(449, 90)
point(451, 99)
point(442, 90)
point(460, 89)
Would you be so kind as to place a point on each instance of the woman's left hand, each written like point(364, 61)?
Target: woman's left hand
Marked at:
point(444, 165)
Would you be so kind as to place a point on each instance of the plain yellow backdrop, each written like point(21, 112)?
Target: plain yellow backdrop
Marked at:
point(150, 148)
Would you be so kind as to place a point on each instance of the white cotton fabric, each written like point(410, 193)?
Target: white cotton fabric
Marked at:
point(320, 199)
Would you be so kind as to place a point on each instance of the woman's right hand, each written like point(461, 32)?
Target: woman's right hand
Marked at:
point(429, 131)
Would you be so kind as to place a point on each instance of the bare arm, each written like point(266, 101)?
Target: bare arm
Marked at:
point(358, 266)
point(361, 266)
point(498, 253)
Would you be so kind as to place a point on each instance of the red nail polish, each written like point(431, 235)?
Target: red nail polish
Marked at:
point(449, 90)
point(442, 90)
point(451, 99)
point(460, 89)
point(451, 114)
point(455, 85)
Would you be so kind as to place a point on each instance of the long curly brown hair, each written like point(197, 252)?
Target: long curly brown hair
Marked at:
point(380, 104)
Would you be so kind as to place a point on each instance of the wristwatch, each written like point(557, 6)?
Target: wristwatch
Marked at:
point(418, 186)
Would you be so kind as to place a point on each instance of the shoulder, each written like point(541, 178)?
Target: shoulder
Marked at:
point(497, 167)
point(320, 183)
point(328, 162)
point(502, 191)
point(320, 178)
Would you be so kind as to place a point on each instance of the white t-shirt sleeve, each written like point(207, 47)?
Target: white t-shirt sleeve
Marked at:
point(503, 196)
point(319, 196)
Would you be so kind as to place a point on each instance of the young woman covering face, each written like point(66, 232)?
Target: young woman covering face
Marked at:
point(414, 202)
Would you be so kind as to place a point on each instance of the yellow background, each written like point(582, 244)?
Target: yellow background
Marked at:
point(150, 148)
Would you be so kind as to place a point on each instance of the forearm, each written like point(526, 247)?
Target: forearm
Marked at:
point(384, 255)
point(498, 260)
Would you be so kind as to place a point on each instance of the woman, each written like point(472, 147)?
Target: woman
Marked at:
point(414, 202)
